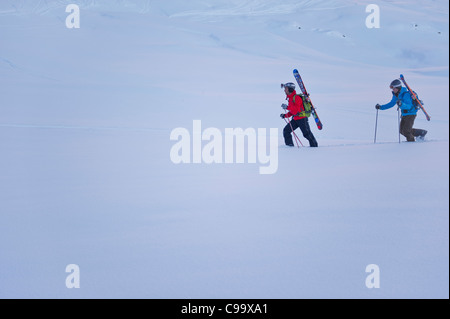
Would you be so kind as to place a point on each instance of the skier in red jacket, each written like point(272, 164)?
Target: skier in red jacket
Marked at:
point(300, 119)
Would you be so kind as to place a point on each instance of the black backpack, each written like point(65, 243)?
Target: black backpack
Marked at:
point(415, 102)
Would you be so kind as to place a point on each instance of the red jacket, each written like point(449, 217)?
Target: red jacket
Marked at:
point(294, 107)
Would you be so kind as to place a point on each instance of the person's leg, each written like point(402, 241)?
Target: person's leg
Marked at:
point(419, 132)
point(406, 127)
point(306, 130)
point(287, 133)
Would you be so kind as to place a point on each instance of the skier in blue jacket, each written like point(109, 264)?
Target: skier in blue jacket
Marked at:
point(402, 98)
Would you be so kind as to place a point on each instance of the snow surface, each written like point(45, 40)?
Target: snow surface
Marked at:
point(87, 179)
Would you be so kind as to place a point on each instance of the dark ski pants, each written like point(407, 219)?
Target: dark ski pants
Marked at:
point(407, 130)
point(303, 124)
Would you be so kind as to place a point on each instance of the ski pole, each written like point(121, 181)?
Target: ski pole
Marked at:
point(295, 135)
point(398, 111)
point(376, 126)
point(297, 139)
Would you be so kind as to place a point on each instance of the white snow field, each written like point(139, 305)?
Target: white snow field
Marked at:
point(87, 177)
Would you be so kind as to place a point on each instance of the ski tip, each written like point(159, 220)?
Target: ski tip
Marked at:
point(295, 71)
point(401, 76)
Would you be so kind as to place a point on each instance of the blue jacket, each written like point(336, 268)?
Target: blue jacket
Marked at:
point(406, 105)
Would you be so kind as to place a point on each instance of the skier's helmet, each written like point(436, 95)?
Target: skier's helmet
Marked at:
point(396, 84)
point(289, 85)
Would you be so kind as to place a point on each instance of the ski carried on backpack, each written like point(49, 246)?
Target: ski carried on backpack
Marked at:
point(299, 80)
point(415, 97)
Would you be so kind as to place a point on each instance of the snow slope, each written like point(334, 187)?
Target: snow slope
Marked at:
point(87, 179)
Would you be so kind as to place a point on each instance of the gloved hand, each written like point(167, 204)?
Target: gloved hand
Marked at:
point(284, 106)
point(377, 106)
point(282, 115)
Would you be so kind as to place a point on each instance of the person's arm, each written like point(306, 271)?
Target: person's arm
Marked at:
point(390, 104)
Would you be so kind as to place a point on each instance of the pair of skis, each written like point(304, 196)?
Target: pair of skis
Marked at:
point(414, 97)
point(300, 83)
